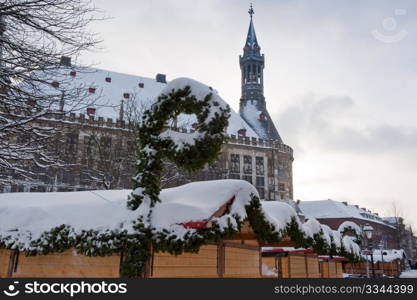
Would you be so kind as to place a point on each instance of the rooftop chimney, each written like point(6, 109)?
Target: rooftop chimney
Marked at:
point(161, 78)
point(66, 61)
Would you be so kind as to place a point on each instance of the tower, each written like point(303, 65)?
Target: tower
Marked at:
point(252, 103)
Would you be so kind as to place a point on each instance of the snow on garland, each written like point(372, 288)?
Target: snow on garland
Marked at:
point(351, 227)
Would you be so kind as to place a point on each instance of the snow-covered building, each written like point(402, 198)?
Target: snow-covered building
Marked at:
point(97, 146)
point(340, 215)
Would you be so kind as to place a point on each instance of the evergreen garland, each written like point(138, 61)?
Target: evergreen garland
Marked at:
point(154, 146)
point(211, 134)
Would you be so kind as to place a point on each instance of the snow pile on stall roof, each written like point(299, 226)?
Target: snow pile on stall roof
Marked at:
point(387, 255)
point(350, 245)
point(350, 225)
point(266, 271)
point(198, 201)
point(328, 209)
point(311, 227)
point(337, 238)
point(108, 96)
point(25, 216)
point(279, 214)
point(328, 234)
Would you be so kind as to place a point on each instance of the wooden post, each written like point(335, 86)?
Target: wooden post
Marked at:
point(220, 259)
point(306, 263)
point(13, 261)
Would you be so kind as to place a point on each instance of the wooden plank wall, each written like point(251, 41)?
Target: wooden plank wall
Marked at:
point(324, 269)
point(4, 262)
point(297, 266)
point(240, 261)
point(283, 267)
point(339, 269)
point(332, 269)
point(313, 267)
point(201, 264)
point(66, 265)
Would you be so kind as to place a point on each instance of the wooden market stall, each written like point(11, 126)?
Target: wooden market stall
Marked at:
point(238, 255)
point(331, 267)
point(287, 262)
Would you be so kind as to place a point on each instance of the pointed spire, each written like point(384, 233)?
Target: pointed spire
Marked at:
point(251, 11)
point(251, 40)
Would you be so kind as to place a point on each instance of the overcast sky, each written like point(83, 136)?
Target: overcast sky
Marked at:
point(340, 81)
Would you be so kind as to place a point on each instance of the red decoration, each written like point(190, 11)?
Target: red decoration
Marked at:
point(91, 90)
point(126, 95)
point(262, 116)
point(91, 111)
point(242, 132)
point(55, 84)
point(73, 73)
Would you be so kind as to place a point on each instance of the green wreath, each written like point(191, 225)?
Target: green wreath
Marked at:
point(190, 151)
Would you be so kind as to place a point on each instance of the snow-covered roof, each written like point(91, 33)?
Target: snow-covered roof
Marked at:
point(25, 216)
point(387, 255)
point(331, 209)
point(112, 87)
point(221, 205)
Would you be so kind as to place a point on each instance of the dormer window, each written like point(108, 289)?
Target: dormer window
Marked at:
point(91, 90)
point(55, 84)
point(241, 132)
point(108, 79)
point(141, 85)
point(126, 95)
point(73, 73)
point(91, 111)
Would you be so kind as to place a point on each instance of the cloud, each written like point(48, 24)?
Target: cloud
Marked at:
point(335, 123)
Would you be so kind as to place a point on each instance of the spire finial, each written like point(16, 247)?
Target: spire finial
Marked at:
point(251, 11)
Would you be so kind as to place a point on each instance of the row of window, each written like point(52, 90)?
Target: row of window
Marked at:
point(247, 164)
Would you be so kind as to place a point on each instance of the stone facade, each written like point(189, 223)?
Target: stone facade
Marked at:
point(99, 153)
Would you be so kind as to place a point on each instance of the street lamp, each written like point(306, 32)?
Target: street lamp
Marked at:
point(368, 233)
